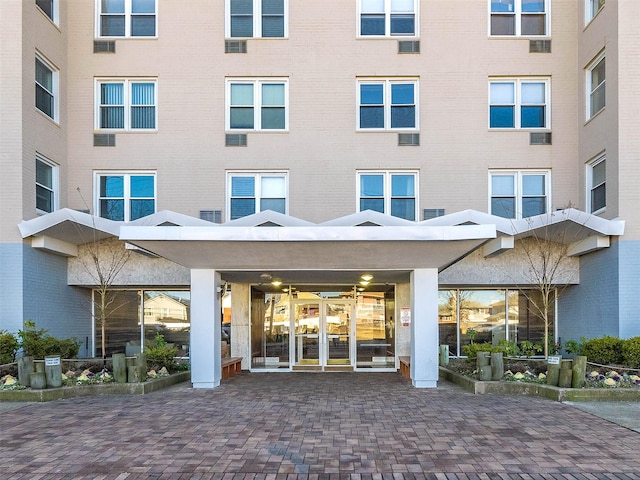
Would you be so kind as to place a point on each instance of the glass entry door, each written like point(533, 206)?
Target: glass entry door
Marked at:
point(323, 332)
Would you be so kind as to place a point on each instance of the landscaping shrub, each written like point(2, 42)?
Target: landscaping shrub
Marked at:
point(631, 352)
point(38, 343)
point(8, 347)
point(471, 350)
point(161, 354)
point(604, 350)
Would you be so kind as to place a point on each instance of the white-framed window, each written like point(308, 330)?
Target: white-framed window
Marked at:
point(253, 192)
point(390, 192)
point(125, 196)
point(385, 104)
point(46, 185)
point(50, 9)
point(126, 18)
point(519, 194)
point(47, 78)
point(592, 8)
point(519, 103)
point(597, 184)
point(126, 104)
point(520, 18)
point(256, 18)
point(388, 18)
point(596, 83)
point(257, 104)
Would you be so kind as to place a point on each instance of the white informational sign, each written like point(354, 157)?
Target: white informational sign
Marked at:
point(405, 316)
point(553, 361)
point(51, 361)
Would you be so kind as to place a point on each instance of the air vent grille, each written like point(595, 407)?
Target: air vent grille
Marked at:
point(104, 140)
point(408, 46)
point(104, 46)
point(539, 46)
point(408, 139)
point(214, 216)
point(235, 140)
point(540, 138)
point(235, 46)
point(429, 213)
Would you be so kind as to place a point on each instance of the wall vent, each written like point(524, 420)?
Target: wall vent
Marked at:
point(429, 213)
point(235, 46)
point(104, 46)
point(412, 139)
point(104, 139)
point(408, 46)
point(540, 138)
point(539, 46)
point(235, 140)
point(213, 216)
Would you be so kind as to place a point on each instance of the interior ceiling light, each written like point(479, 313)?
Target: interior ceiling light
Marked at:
point(364, 282)
point(276, 282)
point(367, 277)
point(265, 276)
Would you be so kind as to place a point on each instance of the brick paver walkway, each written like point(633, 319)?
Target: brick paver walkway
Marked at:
point(305, 426)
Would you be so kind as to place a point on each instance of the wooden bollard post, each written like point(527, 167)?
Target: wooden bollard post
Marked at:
point(38, 380)
point(444, 354)
point(25, 367)
point(134, 375)
point(482, 359)
point(119, 361)
point(579, 371)
point(53, 371)
point(553, 370)
point(484, 373)
point(497, 366)
point(141, 363)
point(566, 374)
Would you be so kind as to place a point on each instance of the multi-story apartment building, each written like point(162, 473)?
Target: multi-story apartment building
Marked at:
point(347, 181)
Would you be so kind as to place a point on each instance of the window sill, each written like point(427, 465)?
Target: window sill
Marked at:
point(595, 115)
point(387, 130)
point(390, 37)
point(119, 131)
point(125, 38)
point(44, 115)
point(255, 38)
point(600, 211)
point(518, 37)
point(527, 130)
point(245, 132)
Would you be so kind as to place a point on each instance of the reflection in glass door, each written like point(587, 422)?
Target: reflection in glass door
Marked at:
point(307, 333)
point(337, 320)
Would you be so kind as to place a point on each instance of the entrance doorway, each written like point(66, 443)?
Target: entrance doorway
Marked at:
point(323, 332)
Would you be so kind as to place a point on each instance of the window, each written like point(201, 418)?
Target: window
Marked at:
point(50, 8)
point(519, 103)
point(592, 8)
point(254, 104)
point(596, 96)
point(519, 17)
point(385, 18)
point(126, 104)
point(46, 185)
point(249, 193)
point(387, 104)
point(597, 184)
point(256, 18)
point(125, 196)
point(46, 88)
point(519, 194)
point(126, 18)
point(393, 193)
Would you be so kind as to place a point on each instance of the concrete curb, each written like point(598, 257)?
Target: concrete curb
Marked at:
point(539, 390)
point(50, 394)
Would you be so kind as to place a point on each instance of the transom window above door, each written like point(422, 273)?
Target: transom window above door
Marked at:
point(126, 18)
point(393, 193)
point(519, 194)
point(249, 193)
point(524, 18)
point(388, 18)
point(256, 18)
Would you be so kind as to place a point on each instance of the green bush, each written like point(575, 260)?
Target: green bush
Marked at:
point(161, 354)
point(471, 350)
point(604, 350)
point(631, 352)
point(8, 347)
point(574, 347)
point(38, 343)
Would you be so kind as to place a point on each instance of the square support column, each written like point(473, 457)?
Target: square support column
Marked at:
point(424, 328)
point(206, 363)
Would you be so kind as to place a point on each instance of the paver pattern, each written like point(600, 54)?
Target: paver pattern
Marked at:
point(313, 426)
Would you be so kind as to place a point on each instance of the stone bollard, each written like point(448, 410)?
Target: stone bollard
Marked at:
point(134, 374)
point(25, 367)
point(119, 361)
point(38, 380)
point(53, 371)
point(566, 374)
point(484, 373)
point(497, 366)
point(444, 355)
point(553, 370)
point(579, 371)
point(141, 363)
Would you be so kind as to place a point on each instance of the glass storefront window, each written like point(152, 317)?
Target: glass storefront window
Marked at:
point(270, 325)
point(375, 330)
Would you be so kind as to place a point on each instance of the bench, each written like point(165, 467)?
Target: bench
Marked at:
point(231, 366)
point(405, 367)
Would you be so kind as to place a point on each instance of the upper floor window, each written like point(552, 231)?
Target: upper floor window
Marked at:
point(257, 104)
point(125, 104)
point(596, 95)
point(387, 104)
point(249, 193)
point(597, 184)
point(519, 194)
point(519, 17)
point(46, 185)
point(50, 8)
point(592, 8)
point(519, 103)
point(125, 196)
point(385, 18)
point(256, 18)
point(126, 18)
point(393, 193)
point(46, 88)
